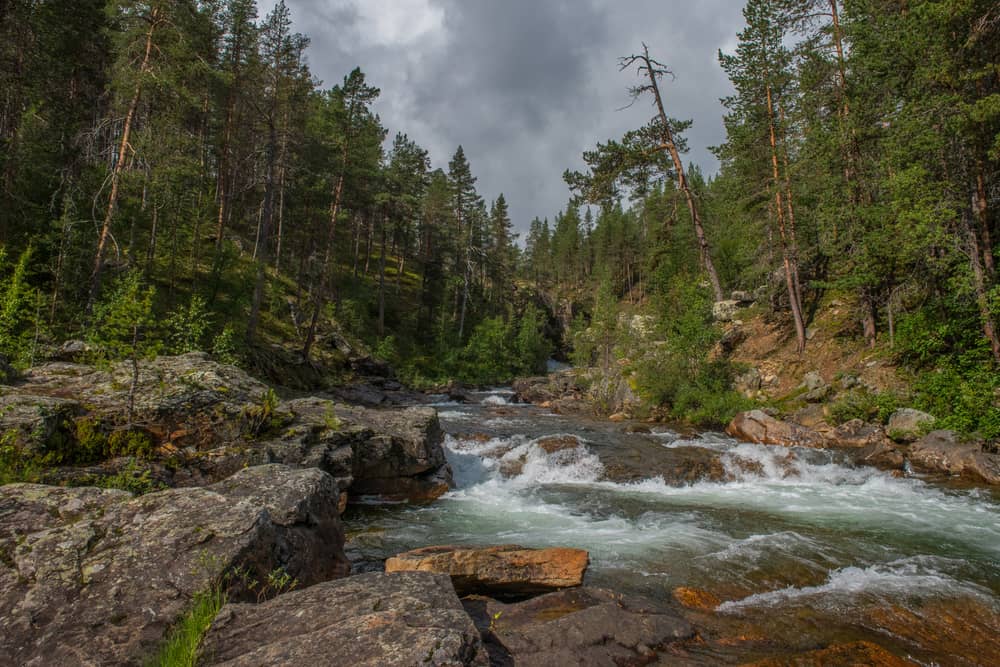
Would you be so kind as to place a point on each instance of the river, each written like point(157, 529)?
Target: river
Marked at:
point(801, 548)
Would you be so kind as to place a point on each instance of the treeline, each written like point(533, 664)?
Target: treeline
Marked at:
point(185, 146)
point(862, 160)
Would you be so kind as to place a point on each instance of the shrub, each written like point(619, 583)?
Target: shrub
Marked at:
point(226, 346)
point(187, 326)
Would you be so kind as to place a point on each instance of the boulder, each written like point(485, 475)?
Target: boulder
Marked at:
point(856, 434)
point(725, 311)
point(812, 381)
point(369, 620)
point(580, 626)
point(748, 382)
point(907, 424)
point(759, 427)
point(509, 570)
point(89, 576)
point(742, 297)
point(696, 598)
point(946, 452)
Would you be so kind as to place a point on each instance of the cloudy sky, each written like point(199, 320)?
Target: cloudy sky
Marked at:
point(525, 86)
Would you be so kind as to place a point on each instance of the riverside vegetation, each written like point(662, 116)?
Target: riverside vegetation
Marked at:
point(173, 179)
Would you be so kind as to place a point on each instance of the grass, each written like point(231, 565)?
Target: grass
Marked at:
point(181, 647)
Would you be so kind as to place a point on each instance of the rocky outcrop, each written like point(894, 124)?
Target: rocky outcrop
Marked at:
point(946, 452)
point(561, 386)
point(507, 570)
point(97, 577)
point(759, 427)
point(580, 626)
point(210, 420)
point(370, 620)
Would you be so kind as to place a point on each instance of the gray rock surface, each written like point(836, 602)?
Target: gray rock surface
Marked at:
point(580, 626)
point(946, 452)
point(908, 424)
point(89, 576)
point(39, 425)
point(369, 620)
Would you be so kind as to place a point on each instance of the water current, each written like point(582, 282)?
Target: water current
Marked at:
point(801, 548)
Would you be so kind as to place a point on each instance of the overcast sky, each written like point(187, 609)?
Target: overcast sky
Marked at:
point(525, 86)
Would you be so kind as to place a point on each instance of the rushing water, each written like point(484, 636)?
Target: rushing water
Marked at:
point(802, 548)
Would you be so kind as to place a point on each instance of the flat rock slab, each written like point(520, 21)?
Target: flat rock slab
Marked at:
point(369, 620)
point(507, 570)
point(95, 577)
point(582, 626)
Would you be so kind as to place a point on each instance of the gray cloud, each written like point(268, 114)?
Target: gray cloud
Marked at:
point(524, 86)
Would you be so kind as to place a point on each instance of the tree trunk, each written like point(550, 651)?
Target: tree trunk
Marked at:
point(979, 283)
point(102, 241)
point(381, 285)
point(265, 230)
point(682, 183)
point(786, 253)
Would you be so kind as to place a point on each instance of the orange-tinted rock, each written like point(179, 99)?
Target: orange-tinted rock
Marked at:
point(965, 629)
point(696, 598)
point(557, 443)
point(618, 417)
point(499, 570)
point(759, 427)
point(838, 655)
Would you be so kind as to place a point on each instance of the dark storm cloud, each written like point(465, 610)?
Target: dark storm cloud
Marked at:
point(525, 86)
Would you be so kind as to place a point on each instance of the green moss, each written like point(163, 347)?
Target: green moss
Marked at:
point(131, 442)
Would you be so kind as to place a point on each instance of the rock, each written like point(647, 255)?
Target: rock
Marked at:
point(812, 381)
point(38, 425)
point(817, 395)
point(838, 655)
point(944, 451)
point(756, 426)
point(907, 424)
point(732, 339)
point(849, 381)
point(856, 434)
point(72, 350)
point(97, 577)
point(742, 297)
point(618, 417)
point(369, 620)
point(580, 626)
point(696, 598)
point(725, 311)
point(748, 382)
point(509, 570)
point(811, 416)
point(557, 443)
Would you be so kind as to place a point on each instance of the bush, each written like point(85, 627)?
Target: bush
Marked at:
point(18, 308)
point(964, 400)
point(866, 406)
point(188, 325)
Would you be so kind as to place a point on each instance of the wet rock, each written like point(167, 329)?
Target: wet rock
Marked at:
point(678, 466)
point(581, 626)
point(757, 426)
point(618, 417)
point(369, 620)
point(101, 578)
point(696, 598)
point(946, 452)
point(557, 443)
point(508, 570)
point(839, 655)
point(907, 424)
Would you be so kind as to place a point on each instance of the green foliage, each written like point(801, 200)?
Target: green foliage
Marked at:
point(15, 467)
point(18, 312)
point(124, 321)
point(130, 442)
point(226, 346)
point(531, 347)
point(681, 374)
point(865, 405)
point(181, 646)
point(188, 325)
point(966, 400)
point(264, 417)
